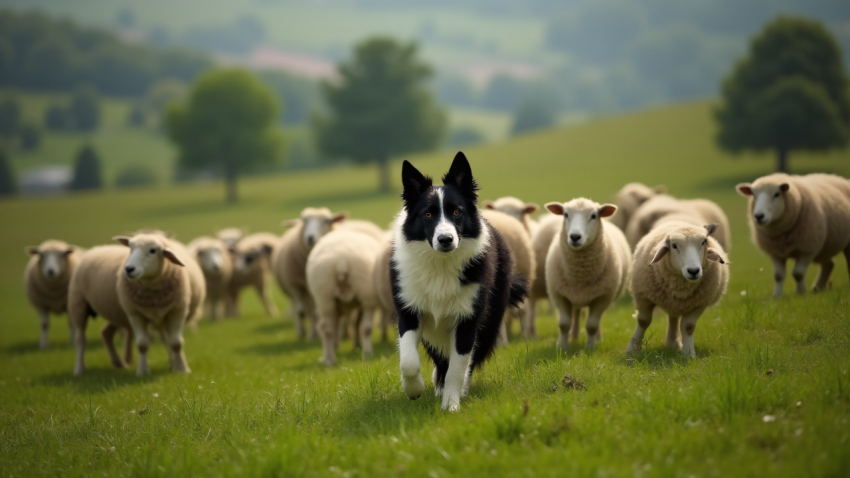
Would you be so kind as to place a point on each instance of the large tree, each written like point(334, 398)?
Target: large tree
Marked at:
point(227, 123)
point(380, 107)
point(789, 93)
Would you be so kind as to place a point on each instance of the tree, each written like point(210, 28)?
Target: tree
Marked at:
point(533, 113)
point(56, 118)
point(87, 170)
point(7, 180)
point(10, 117)
point(136, 116)
point(380, 107)
point(85, 109)
point(30, 137)
point(789, 93)
point(228, 122)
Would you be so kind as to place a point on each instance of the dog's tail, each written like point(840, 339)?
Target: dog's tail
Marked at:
point(519, 290)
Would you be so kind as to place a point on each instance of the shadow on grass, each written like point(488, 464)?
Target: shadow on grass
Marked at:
point(100, 380)
point(28, 347)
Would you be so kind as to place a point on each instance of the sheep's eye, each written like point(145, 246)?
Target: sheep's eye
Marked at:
point(566, 215)
point(457, 213)
point(427, 215)
point(593, 216)
point(704, 241)
point(674, 246)
point(248, 259)
point(153, 251)
point(776, 195)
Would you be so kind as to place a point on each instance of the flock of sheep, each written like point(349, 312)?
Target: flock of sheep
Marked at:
point(670, 253)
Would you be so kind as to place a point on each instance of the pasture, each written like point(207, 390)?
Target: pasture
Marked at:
point(768, 394)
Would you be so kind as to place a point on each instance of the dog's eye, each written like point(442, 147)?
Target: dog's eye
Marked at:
point(153, 251)
point(427, 215)
point(457, 213)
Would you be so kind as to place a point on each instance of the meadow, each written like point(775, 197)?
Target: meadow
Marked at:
point(767, 395)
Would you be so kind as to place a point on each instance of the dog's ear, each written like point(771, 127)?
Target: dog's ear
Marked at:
point(662, 251)
point(745, 189)
point(460, 176)
point(414, 184)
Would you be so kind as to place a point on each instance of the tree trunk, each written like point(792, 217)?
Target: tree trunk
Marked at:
point(230, 181)
point(384, 173)
point(782, 159)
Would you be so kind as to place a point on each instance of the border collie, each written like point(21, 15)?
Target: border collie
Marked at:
point(451, 276)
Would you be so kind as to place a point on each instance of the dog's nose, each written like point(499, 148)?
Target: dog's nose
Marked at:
point(759, 216)
point(693, 271)
point(445, 239)
point(129, 269)
point(575, 237)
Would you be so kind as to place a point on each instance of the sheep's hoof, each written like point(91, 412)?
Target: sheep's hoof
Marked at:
point(413, 387)
point(632, 347)
point(675, 345)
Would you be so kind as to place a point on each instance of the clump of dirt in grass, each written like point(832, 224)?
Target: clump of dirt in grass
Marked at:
point(571, 382)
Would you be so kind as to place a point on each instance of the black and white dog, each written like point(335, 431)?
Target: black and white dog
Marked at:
point(452, 279)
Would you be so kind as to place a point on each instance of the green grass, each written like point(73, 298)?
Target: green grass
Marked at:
point(274, 411)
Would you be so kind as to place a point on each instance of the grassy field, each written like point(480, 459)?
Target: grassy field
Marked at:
point(259, 404)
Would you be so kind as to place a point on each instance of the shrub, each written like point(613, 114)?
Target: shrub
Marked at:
point(135, 175)
point(87, 170)
point(85, 109)
point(56, 118)
point(30, 137)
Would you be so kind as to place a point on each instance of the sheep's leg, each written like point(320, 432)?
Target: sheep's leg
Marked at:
point(366, 332)
point(127, 334)
point(79, 320)
point(531, 319)
point(385, 324)
point(71, 329)
point(778, 276)
point(673, 340)
point(575, 326)
point(409, 336)
point(44, 323)
point(459, 364)
point(354, 320)
point(107, 333)
point(173, 331)
point(266, 297)
point(310, 312)
point(644, 319)
point(594, 321)
point(329, 322)
point(801, 266)
point(143, 343)
point(565, 308)
point(689, 325)
point(231, 304)
point(824, 274)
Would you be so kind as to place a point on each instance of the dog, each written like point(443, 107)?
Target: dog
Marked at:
point(451, 276)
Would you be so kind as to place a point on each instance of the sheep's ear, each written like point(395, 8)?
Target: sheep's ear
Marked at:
point(530, 208)
point(711, 227)
point(171, 257)
point(607, 210)
point(231, 249)
point(488, 204)
point(123, 240)
point(784, 187)
point(31, 250)
point(339, 217)
point(745, 189)
point(660, 189)
point(555, 208)
point(267, 249)
point(413, 184)
point(715, 256)
point(290, 223)
point(70, 250)
point(662, 251)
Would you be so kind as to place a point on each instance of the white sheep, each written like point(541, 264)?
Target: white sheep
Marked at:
point(519, 210)
point(659, 208)
point(251, 268)
point(588, 265)
point(680, 268)
point(92, 293)
point(629, 199)
point(230, 236)
point(161, 287)
point(46, 278)
point(383, 289)
point(519, 242)
point(215, 261)
point(804, 217)
point(340, 272)
point(541, 241)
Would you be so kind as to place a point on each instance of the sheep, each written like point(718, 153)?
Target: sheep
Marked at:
point(655, 211)
point(541, 240)
point(681, 269)
point(162, 287)
point(589, 264)
point(804, 217)
point(230, 236)
point(519, 243)
point(46, 278)
point(339, 273)
point(383, 289)
point(629, 199)
point(215, 261)
point(521, 211)
point(92, 292)
point(251, 267)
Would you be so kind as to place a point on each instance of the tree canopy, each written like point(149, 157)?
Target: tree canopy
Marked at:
point(87, 170)
point(533, 113)
point(789, 93)
point(380, 106)
point(228, 123)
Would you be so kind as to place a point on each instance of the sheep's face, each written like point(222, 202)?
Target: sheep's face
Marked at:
point(316, 223)
point(582, 220)
point(512, 207)
point(211, 260)
point(687, 250)
point(230, 237)
point(52, 259)
point(246, 260)
point(768, 201)
point(147, 255)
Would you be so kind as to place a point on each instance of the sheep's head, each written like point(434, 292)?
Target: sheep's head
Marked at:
point(316, 222)
point(512, 207)
point(582, 220)
point(230, 236)
point(631, 196)
point(769, 194)
point(148, 253)
point(211, 255)
point(52, 258)
point(249, 257)
point(687, 249)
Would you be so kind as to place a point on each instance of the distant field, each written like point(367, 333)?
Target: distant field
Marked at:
point(259, 404)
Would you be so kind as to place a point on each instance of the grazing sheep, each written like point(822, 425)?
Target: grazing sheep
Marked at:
point(629, 199)
point(541, 240)
point(657, 209)
point(383, 290)
point(46, 279)
point(161, 287)
point(521, 211)
point(519, 242)
point(251, 267)
point(340, 272)
point(92, 293)
point(680, 268)
point(804, 217)
point(230, 236)
point(588, 265)
point(215, 261)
